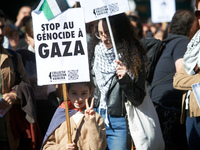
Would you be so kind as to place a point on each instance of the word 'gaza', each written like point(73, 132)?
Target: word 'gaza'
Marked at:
point(44, 51)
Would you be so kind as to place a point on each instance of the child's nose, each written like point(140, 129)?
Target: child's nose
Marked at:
point(79, 97)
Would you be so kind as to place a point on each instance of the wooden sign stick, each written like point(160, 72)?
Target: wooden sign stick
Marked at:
point(67, 113)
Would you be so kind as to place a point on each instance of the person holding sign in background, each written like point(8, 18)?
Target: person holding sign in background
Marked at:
point(117, 80)
point(186, 79)
point(87, 129)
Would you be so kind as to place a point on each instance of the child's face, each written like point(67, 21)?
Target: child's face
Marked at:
point(78, 93)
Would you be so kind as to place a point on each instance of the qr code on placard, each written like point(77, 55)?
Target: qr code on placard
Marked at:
point(113, 7)
point(73, 75)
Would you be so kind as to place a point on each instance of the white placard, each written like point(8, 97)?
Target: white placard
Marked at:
point(162, 10)
point(196, 90)
point(61, 47)
point(98, 9)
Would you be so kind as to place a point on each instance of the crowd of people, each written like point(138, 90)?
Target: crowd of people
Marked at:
point(33, 117)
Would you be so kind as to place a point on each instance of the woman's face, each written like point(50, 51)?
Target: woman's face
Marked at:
point(104, 34)
point(78, 93)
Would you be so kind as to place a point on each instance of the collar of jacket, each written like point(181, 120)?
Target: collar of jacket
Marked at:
point(4, 54)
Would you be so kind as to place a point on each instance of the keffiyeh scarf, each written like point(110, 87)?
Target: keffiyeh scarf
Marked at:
point(192, 55)
point(104, 68)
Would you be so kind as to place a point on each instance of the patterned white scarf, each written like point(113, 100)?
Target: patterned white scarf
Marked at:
point(105, 69)
point(192, 55)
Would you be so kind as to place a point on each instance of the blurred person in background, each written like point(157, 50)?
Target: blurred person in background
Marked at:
point(24, 12)
point(159, 34)
point(136, 22)
point(12, 34)
point(164, 96)
point(21, 19)
point(188, 75)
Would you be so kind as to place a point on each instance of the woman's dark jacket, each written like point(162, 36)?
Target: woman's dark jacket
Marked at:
point(122, 90)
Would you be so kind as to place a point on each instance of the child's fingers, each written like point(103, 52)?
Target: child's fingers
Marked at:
point(86, 103)
point(92, 112)
point(87, 111)
point(92, 103)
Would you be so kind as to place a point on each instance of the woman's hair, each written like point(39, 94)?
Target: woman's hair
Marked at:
point(196, 25)
point(127, 43)
point(182, 22)
point(194, 29)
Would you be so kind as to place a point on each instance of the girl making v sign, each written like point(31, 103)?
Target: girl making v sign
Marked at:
point(87, 127)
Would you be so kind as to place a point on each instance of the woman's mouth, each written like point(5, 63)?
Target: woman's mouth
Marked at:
point(107, 43)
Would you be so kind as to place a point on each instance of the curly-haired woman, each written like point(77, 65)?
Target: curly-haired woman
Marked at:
point(117, 81)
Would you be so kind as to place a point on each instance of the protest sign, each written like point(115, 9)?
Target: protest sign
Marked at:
point(98, 9)
point(162, 10)
point(61, 47)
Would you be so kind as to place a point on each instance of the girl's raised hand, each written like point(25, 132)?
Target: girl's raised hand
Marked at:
point(89, 112)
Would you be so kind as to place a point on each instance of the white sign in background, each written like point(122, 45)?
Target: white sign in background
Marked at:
point(98, 9)
point(162, 10)
point(61, 47)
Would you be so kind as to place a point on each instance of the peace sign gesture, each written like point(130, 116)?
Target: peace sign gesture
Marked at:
point(89, 112)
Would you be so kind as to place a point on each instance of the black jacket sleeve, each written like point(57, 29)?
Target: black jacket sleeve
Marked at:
point(134, 89)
